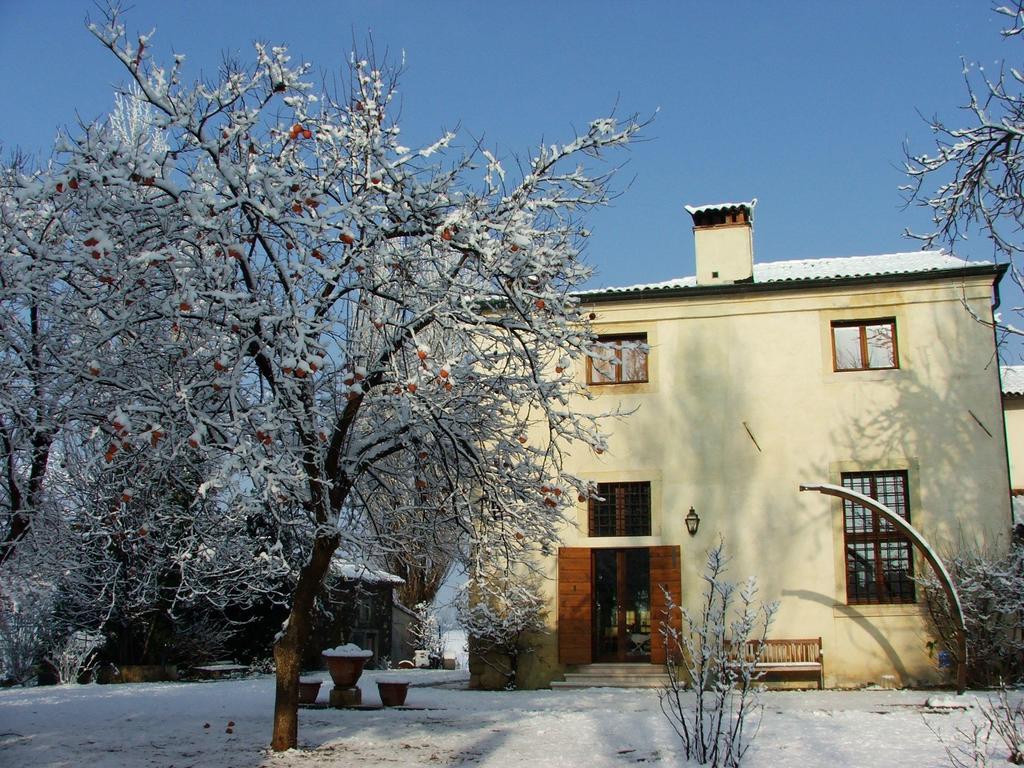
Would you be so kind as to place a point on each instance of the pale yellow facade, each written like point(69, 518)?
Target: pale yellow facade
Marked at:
point(743, 404)
point(1013, 411)
point(1013, 416)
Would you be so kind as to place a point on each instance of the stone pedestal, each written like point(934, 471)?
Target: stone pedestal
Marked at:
point(346, 697)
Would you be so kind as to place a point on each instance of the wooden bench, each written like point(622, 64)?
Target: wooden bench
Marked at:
point(799, 656)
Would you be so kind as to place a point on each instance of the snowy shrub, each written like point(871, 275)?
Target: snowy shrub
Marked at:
point(991, 589)
point(73, 654)
point(500, 611)
point(718, 718)
point(26, 619)
point(201, 635)
point(262, 665)
point(426, 631)
point(1007, 722)
point(970, 747)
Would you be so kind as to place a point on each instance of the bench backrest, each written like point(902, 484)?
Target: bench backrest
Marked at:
point(779, 651)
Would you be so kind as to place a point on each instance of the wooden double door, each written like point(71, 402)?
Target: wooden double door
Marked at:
point(611, 604)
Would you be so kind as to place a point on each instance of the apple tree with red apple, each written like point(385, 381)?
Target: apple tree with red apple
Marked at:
point(338, 331)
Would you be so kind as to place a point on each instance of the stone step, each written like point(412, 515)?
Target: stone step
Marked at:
point(608, 682)
point(614, 676)
point(618, 670)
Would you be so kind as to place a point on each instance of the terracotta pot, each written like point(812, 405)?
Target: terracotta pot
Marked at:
point(392, 694)
point(308, 691)
point(345, 670)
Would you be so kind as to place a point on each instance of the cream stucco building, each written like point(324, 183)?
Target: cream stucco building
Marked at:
point(1013, 410)
point(1013, 413)
point(868, 372)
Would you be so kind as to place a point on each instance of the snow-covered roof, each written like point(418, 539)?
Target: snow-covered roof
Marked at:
point(343, 569)
point(408, 611)
point(1012, 377)
point(798, 270)
point(692, 209)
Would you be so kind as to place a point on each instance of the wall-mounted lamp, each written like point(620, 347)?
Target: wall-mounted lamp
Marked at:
point(692, 522)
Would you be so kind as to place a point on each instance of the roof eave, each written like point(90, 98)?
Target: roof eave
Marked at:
point(650, 294)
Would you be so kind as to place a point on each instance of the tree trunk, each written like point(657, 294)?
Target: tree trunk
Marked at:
point(288, 661)
point(292, 642)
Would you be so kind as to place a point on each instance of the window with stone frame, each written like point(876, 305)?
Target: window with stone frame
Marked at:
point(619, 359)
point(623, 509)
point(863, 345)
point(879, 559)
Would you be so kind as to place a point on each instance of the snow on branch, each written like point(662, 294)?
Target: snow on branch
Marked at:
point(253, 278)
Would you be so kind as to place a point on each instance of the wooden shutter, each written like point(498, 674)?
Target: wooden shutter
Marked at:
point(574, 599)
point(664, 572)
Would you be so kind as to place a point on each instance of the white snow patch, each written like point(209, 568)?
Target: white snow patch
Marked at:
point(692, 209)
point(147, 724)
point(348, 651)
point(946, 702)
point(1012, 377)
point(343, 569)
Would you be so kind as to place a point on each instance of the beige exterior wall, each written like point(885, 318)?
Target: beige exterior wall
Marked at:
point(720, 365)
point(1013, 412)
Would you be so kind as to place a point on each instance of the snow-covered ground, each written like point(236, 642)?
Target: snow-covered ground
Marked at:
point(164, 724)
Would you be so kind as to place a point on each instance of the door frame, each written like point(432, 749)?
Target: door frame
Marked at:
point(575, 602)
point(622, 655)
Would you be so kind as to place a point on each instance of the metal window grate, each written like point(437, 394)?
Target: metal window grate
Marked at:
point(879, 560)
point(623, 509)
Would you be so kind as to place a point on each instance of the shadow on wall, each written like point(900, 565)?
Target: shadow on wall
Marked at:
point(719, 427)
point(737, 426)
point(952, 427)
point(774, 525)
point(869, 627)
point(938, 414)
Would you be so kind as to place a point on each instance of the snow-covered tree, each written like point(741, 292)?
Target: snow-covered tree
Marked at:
point(972, 180)
point(403, 518)
point(311, 314)
point(716, 653)
point(147, 558)
point(425, 631)
point(502, 611)
point(33, 392)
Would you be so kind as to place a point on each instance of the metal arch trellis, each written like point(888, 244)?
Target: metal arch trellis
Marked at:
point(929, 555)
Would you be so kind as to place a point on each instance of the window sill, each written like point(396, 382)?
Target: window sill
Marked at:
point(613, 542)
point(864, 370)
point(842, 611)
point(630, 388)
point(867, 374)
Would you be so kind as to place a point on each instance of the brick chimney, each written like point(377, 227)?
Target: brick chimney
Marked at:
point(724, 240)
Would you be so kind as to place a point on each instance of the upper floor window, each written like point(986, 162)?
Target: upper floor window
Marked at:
point(879, 561)
point(618, 360)
point(860, 345)
point(623, 509)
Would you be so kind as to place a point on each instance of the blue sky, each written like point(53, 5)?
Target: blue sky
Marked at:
point(804, 105)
